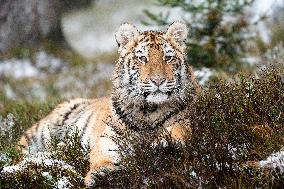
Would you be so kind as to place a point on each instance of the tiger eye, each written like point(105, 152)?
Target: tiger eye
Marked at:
point(142, 59)
point(168, 58)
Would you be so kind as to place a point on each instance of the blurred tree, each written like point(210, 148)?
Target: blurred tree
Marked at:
point(277, 26)
point(219, 31)
point(27, 21)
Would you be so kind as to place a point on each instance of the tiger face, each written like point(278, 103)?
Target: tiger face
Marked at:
point(151, 66)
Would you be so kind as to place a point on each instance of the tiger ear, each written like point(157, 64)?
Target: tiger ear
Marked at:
point(178, 30)
point(126, 33)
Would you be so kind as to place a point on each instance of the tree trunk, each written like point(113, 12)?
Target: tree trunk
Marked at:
point(27, 21)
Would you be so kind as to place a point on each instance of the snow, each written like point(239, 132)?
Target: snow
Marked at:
point(91, 32)
point(83, 79)
point(274, 161)
point(193, 173)
point(47, 61)
point(252, 60)
point(45, 174)
point(63, 183)
point(3, 158)
point(38, 159)
point(203, 75)
point(43, 160)
point(10, 169)
point(18, 68)
point(7, 124)
point(264, 6)
point(24, 68)
point(9, 92)
point(32, 79)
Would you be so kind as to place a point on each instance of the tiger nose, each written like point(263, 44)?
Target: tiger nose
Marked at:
point(158, 80)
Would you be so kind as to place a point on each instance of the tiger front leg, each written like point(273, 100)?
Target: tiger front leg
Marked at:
point(179, 131)
point(175, 132)
point(103, 156)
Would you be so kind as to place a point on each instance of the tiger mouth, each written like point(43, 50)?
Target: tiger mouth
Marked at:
point(168, 93)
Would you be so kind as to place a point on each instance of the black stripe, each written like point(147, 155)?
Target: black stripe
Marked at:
point(81, 112)
point(129, 120)
point(178, 107)
point(127, 67)
point(67, 114)
point(60, 132)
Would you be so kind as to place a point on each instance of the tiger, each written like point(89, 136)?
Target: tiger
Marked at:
point(152, 86)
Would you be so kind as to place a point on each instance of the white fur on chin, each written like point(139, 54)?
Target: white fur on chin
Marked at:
point(157, 98)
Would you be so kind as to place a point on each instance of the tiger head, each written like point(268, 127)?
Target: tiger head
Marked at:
point(151, 67)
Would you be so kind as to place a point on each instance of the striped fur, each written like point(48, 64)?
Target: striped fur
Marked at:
point(152, 85)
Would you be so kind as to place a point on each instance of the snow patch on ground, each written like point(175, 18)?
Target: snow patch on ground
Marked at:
point(48, 61)
point(42, 160)
point(18, 68)
point(39, 159)
point(23, 68)
point(84, 79)
point(63, 183)
point(4, 158)
point(9, 92)
point(203, 75)
point(274, 161)
point(47, 75)
point(7, 124)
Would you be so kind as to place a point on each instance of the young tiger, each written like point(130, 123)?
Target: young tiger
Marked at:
point(152, 85)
